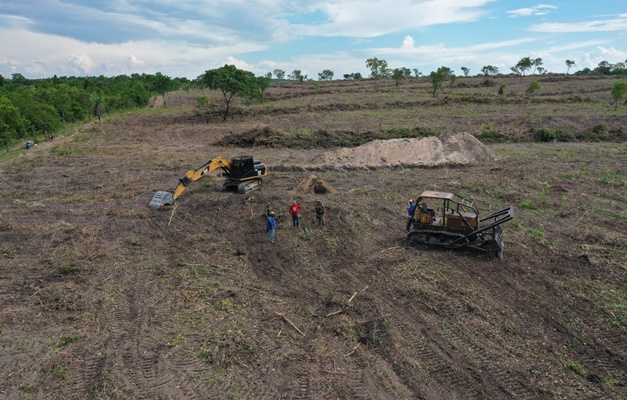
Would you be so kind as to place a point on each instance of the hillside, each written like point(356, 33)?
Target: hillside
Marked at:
point(102, 297)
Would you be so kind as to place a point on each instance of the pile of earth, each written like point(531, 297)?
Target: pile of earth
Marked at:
point(459, 149)
point(313, 184)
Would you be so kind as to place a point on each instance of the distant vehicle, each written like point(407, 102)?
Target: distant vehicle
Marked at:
point(243, 175)
point(449, 221)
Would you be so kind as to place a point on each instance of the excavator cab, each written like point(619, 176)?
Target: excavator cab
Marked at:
point(246, 167)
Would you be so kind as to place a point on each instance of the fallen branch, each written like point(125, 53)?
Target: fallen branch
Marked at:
point(333, 372)
point(355, 348)
point(290, 322)
point(335, 312)
point(381, 252)
point(172, 214)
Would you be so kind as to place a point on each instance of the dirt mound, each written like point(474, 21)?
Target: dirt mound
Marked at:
point(462, 148)
point(313, 184)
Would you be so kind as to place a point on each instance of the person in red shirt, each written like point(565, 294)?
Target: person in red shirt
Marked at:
point(295, 213)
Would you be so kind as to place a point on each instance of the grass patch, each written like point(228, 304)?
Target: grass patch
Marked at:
point(66, 340)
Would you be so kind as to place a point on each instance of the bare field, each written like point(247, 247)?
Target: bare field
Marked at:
point(102, 297)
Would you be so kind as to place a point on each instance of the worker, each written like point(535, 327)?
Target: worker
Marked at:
point(271, 226)
point(320, 211)
point(411, 210)
point(295, 213)
point(267, 211)
point(423, 207)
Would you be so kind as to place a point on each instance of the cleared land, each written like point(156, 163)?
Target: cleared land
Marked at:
point(103, 297)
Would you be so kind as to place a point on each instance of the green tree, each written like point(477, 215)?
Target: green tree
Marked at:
point(325, 75)
point(569, 65)
point(353, 76)
point(536, 64)
point(297, 75)
point(279, 73)
point(399, 74)
point(378, 69)
point(437, 78)
point(466, 71)
point(489, 70)
point(263, 83)
point(618, 92)
point(523, 66)
point(231, 81)
point(12, 124)
point(502, 89)
point(533, 86)
point(417, 73)
point(162, 84)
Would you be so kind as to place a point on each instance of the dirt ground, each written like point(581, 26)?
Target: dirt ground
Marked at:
point(102, 297)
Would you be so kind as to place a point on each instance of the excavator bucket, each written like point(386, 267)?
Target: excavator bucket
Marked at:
point(161, 198)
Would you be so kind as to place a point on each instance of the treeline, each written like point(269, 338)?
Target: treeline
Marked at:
point(37, 107)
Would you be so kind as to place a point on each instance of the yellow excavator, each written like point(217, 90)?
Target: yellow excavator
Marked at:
point(243, 174)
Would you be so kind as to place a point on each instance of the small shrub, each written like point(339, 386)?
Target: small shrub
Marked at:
point(550, 135)
point(64, 341)
point(533, 86)
point(528, 205)
point(67, 268)
point(490, 135)
point(576, 368)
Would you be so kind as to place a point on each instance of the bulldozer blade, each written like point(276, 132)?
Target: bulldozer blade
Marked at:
point(161, 198)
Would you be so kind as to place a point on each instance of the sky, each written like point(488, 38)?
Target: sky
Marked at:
point(185, 38)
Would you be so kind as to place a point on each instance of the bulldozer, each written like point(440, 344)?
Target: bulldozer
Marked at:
point(449, 221)
point(243, 174)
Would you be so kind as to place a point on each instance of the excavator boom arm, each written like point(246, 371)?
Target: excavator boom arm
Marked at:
point(194, 175)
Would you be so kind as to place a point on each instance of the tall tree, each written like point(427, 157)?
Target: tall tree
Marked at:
point(263, 83)
point(161, 84)
point(378, 69)
point(436, 80)
point(522, 66)
point(618, 92)
point(466, 71)
point(297, 75)
point(569, 65)
point(490, 70)
point(279, 73)
point(231, 81)
point(12, 124)
point(325, 75)
point(536, 64)
point(399, 74)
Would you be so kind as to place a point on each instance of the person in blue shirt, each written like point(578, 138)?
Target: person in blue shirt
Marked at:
point(411, 210)
point(271, 226)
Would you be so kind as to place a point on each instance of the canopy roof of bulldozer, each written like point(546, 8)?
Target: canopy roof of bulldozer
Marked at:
point(430, 194)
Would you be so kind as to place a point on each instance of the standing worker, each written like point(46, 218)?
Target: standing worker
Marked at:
point(271, 226)
point(320, 211)
point(295, 213)
point(411, 210)
point(267, 210)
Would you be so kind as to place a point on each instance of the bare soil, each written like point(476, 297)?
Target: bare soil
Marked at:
point(102, 297)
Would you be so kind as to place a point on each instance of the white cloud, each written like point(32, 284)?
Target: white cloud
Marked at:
point(408, 43)
point(83, 62)
point(378, 17)
point(608, 25)
point(540, 9)
point(611, 55)
point(134, 62)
